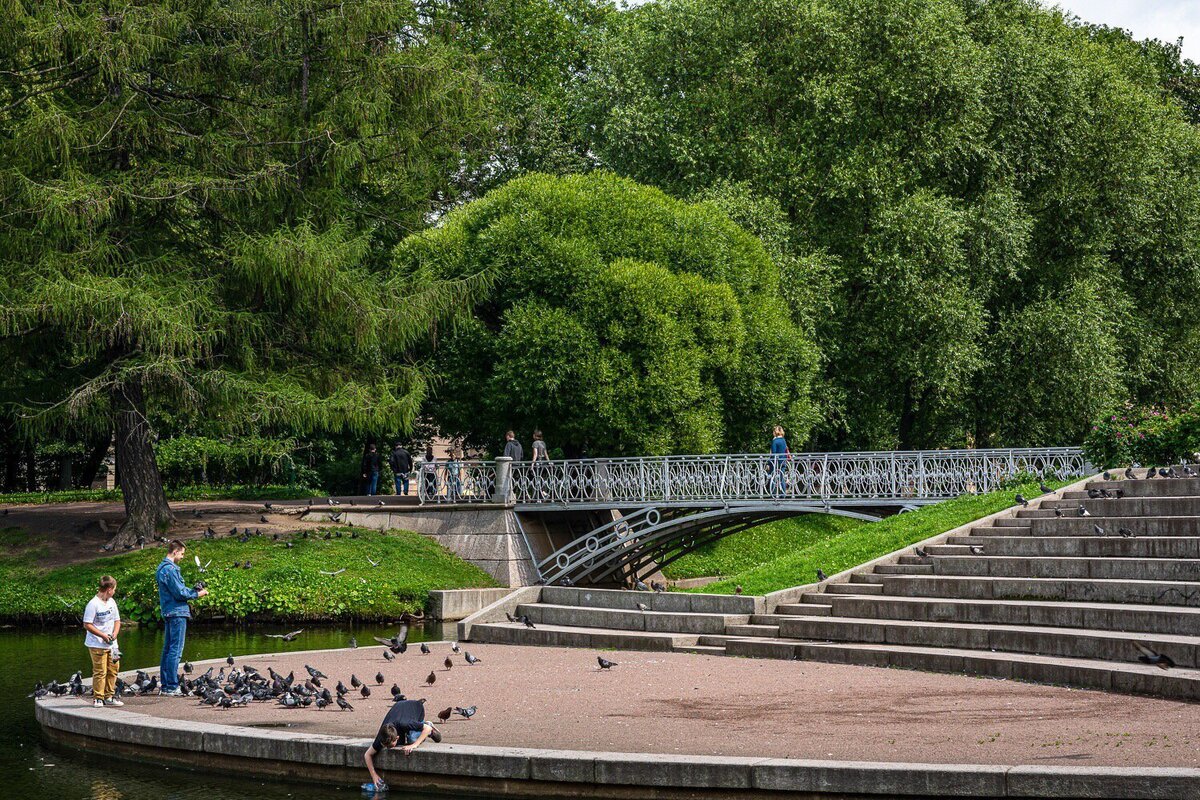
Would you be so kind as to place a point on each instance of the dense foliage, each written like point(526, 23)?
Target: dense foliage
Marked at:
point(1150, 436)
point(281, 583)
point(620, 320)
point(1009, 199)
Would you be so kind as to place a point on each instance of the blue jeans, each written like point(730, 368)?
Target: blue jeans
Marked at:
point(372, 483)
point(412, 736)
point(401, 484)
point(174, 630)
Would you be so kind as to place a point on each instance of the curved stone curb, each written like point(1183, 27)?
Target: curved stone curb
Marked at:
point(525, 772)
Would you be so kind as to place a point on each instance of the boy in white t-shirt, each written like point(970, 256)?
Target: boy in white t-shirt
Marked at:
point(102, 622)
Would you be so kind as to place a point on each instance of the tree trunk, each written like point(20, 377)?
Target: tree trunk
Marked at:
point(146, 511)
point(65, 468)
point(12, 456)
point(31, 481)
point(95, 457)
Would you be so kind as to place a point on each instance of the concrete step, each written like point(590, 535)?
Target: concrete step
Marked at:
point(1141, 526)
point(1124, 507)
point(1040, 613)
point(804, 609)
point(1128, 678)
point(866, 578)
point(854, 588)
point(915, 566)
point(1060, 642)
point(1088, 590)
point(635, 620)
point(564, 636)
point(1009, 522)
point(674, 602)
point(962, 548)
point(752, 630)
point(1157, 487)
point(1007, 530)
point(1187, 547)
point(1152, 569)
point(700, 649)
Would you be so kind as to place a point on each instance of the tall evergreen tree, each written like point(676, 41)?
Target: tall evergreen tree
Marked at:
point(199, 200)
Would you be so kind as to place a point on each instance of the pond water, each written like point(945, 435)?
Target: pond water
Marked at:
point(34, 772)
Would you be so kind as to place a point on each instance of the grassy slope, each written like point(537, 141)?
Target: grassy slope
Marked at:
point(757, 546)
point(282, 583)
point(866, 542)
point(173, 493)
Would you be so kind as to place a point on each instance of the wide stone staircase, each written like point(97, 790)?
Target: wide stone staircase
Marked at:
point(1031, 596)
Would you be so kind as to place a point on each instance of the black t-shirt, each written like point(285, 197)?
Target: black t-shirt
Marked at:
point(401, 461)
point(407, 715)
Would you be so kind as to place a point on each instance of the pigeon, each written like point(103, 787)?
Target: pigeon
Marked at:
point(738, 589)
point(387, 654)
point(528, 622)
point(315, 673)
point(365, 691)
point(1096, 529)
point(399, 642)
point(510, 618)
point(354, 681)
point(353, 643)
point(448, 663)
point(1083, 512)
point(605, 663)
point(202, 569)
point(1107, 476)
point(1125, 533)
point(425, 648)
point(821, 576)
point(1152, 472)
point(658, 587)
point(1021, 501)
point(1058, 512)
point(470, 659)
point(263, 519)
point(335, 572)
point(1129, 474)
point(976, 550)
point(444, 715)
point(430, 679)
point(229, 660)
point(642, 607)
point(641, 587)
point(920, 551)
point(343, 704)
point(287, 637)
point(396, 693)
point(1148, 656)
point(465, 713)
point(342, 688)
point(187, 667)
point(374, 563)
point(1045, 489)
point(454, 648)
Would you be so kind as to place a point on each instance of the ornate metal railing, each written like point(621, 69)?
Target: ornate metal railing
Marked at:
point(893, 476)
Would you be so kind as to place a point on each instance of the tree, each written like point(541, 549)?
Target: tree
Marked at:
point(199, 203)
point(620, 321)
point(955, 165)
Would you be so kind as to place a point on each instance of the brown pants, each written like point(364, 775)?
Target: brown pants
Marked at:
point(104, 673)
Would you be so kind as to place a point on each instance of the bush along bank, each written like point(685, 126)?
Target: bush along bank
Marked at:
point(1150, 436)
point(355, 573)
point(858, 545)
point(179, 493)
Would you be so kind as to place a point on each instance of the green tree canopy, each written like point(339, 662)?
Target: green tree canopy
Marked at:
point(620, 321)
point(199, 201)
point(960, 167)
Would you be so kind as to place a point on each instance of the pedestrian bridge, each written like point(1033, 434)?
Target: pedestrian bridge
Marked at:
point(661, 508)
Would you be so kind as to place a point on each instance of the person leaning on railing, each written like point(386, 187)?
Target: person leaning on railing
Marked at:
point(429, 467)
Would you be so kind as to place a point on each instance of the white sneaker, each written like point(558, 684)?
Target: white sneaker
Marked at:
point(112, 701)
point(97, 703)
point(176, 692)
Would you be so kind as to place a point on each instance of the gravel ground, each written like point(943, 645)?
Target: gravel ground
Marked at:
point(557, 698)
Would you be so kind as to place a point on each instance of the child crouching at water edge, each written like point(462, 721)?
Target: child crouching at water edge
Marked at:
point(102, 622)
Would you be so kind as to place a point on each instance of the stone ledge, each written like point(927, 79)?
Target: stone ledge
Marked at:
point(528, 772)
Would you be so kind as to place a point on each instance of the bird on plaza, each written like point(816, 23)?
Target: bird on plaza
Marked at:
point(1125, 533)
point(444, 715)
point(821, 576)
point(465, 713)
point(976, 550)
point(470, 659)
point(1095, 494)
point(1152, 472)
point(379, 679)
point(1129, 474)
point(1107, 476)
point(528, 622)
point(399, 642)
point(287, 637)
point(365, 691)
point(641, 587)
point(1058, 512)
point(642, 607)
point(605, 663)
point(353, 643)
point(1148, 656)
point(187, 667)
point(658, 587)
point(921, 553)
point(263, 519)
point(321, 703)
point(448, 663)
point(315, 673)
point(430, 679)
point(1083, 512)
point(387, 654)
point(1096, 529)
point(1021, 501)
point(342, 688)
point(354, 681)
point(425, 648)
point(396, 693)
point(344, 704)
point(229, 660)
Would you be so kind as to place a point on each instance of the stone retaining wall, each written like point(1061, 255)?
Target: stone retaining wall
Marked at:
point(519, 772)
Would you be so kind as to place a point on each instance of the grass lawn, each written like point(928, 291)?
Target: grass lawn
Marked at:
point(281, 583)
point(176, 493)
point(855, 544)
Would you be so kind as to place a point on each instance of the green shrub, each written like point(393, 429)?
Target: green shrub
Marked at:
point(1146, 435)
point(269, 492)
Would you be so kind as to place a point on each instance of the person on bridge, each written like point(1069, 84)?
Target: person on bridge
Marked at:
point(453, 475)
point(401, 462)
point(429, 467)
point(173, 597)
point(541, 463)
point(512, 448)
point(780, 455)
point(404, 720)
point(371, 465)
